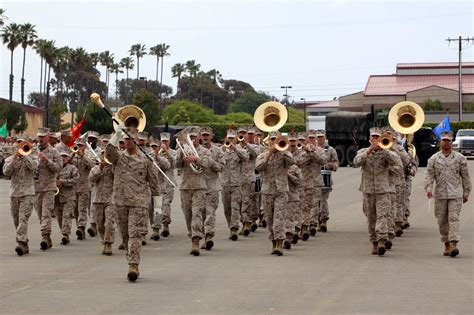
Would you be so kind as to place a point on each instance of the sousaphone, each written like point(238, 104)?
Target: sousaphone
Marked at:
point(131, 116)
point(406, 117)
point(270, 116)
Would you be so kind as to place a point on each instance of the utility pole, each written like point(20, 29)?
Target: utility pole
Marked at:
point(460, 40)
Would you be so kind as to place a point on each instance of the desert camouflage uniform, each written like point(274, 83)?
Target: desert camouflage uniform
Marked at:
point(211, 173)
point(293, 210)
point(248, 182)
point(193, 191)
point(310, 163)
point(61, 147)
point(257, 212)
point(167, 190)
point(275, 190)
point(414, 163)
point(232, 185)
point(395, 180)
point(21, 192)
point(84, 164)
point(65, 201)
point(104, 210)
point(452, 185)
point(376, 189)
point(331, 155)
point(91, 209)
point(401, 187)
point(135, 182)
point(45, 187)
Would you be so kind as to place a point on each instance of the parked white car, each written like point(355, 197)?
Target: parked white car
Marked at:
point(464, 141)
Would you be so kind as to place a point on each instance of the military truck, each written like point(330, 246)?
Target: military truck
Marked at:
point(348, 132)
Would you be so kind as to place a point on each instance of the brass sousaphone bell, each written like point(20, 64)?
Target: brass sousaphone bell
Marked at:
point(406, 117)
point(131, 116)
point(270, 116)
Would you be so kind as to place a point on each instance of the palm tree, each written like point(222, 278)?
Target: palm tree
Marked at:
point(39, 46)
point(192, 67)
point(3, 18)
point(107, 60)
point(11, 37)
point(28, 37)
point(127, 63)
point(139, 51)
point(177, 70)
point(116, 68)
point(163, 52)
point(95, 58)
point(155, 51)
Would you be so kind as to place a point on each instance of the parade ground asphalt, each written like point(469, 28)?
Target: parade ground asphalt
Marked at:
point(332, 273)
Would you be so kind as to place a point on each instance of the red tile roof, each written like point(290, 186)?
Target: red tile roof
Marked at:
point(401, 84)
point(334, 103)
point(433, 65)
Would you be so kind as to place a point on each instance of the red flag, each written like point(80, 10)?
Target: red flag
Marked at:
point(76, 131)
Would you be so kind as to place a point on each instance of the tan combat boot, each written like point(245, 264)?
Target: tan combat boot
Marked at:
point(65, 239)
point(279, 248)
point(50, 241)
point(166, 230)
point(304, 233)
point(381, 248)
point(375, 248)
point(103, 249)
point(133, 272)
point(246, 228)
point(92, 230)
point(44, 242)
point(233, 234)
point(296, 235)
point(312, 230)
point(195, 246)
point(254, 226)
point(108, 249)
point(26, 248)
point(389, 243)
point(323, 226)
point(209, 242)
point(447, 249)
point(121, 246)
point(287, 241)
point(398, 229)
point(273, 247)
point(80, 233)
point(21, 249)
point(155, 235)
point(454, 251)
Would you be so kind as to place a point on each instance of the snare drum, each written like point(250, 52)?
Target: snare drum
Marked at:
point(327, 180)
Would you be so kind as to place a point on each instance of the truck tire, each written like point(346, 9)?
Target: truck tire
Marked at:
point(341, 154)
point(350, 155)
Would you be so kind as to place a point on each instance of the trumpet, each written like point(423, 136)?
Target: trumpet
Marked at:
point(299, 146)
point(75, 148)
point(25, 148)
point(385, 141)
point(227, 143)
point(240, 138)
point(281, 143)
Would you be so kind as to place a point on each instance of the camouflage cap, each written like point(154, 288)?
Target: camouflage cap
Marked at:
point(42, 132)
point(133, 132)
point(104, 137)
point(388, 130)
point(165, 136)
point(231, 134)
point(302, 135)
point(447, 135)
point(251, 130)
point(273, 134)
point(92, 134)
point(143, 135)
point(292, 135)
point(242, 129)
point(320, 133)
point(64, 153)
point(375, 131)
point(206, 130)
point(66, 133)
point(192, 130)
point(80, 141)
point(258, 131)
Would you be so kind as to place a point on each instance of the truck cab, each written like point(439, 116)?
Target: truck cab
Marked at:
point(464, 141)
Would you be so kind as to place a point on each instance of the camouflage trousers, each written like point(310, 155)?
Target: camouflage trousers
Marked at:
point(64, 212)
point(212, 202)
point(131, 226)
point(398, 204)
point(407, 195)
point(21, 208)
point(82, 207)
point(291, 216)
point(376, 207)
point(391, 214)
point(447, 213)
point(44, 205)
point(275, 207)
point(91, 210)
point(246, 210)
point(105, 219)
point(167, 199)
point(258, 210)
point(323, 205)
point(155, 219)
point(307, 202)
point(193, 203)
point(231, 199)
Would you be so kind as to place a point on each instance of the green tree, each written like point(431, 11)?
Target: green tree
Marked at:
point(295, 116)
point(185, 111)
point(138, 50)
point(11, 36)
point(2, 17)
point(148, 102)
point(192, 67)
point(28, 37)
point(15, 116)
point(96, 119)
point(56, 110)
point(248, 102)
point(177, 71)
point(432, 105)
point(127, 64)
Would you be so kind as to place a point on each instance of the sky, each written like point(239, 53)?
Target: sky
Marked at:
point(323, 49)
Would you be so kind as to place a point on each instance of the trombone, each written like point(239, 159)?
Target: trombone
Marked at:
point(25, 148)
point(385, 141)
point(130, 116)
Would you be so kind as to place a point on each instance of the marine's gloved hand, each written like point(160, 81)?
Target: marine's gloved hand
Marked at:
point(114, 140)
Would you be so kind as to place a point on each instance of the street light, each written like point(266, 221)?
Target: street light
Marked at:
point(286, 87)
point(304, 106)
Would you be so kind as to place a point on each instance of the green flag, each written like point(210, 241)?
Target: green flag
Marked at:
point(3, 129)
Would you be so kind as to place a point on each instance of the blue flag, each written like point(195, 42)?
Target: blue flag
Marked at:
point(444, 125)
